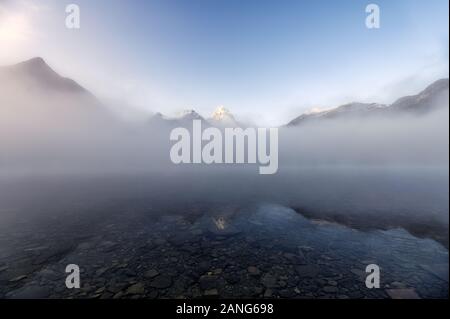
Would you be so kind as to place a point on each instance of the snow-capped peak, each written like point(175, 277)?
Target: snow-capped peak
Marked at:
point(223, 117)
point(222, 114)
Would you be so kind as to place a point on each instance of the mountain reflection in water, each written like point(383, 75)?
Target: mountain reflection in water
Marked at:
point(248, 242)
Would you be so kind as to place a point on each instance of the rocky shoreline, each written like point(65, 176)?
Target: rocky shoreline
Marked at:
point(264, 252)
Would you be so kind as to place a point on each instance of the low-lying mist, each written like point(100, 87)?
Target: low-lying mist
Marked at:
point(403, 140)
point(59, 150)
point(53, 138)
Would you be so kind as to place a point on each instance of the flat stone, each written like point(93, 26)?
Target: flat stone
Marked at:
point(438, 270)
point(151, 273)
point(160, 241)
point(268, 293)
point(332, 283)
point(38, 248)
point(232, 278)
point(108, 246)
point(100, 290)
point(217, 271)
point(31, 292)
point(106, 295)
point(305, 249)
point(358, 272)
point(301, 259)
point(101, 271)
point(3, 268)
point(211, 292)
point(196, 232)
point(309, 271)
point(330, 289)
point(258, 290)
point(84, 246)
point(118, 295)
point(208, 282)
point(18, 278)
point(290, 256)
point(53, 253)
point(397, 284)
point(254, 271)
point(404, 293)
point(136, 289)
point(161, 282)
point(287, 293)
point(269, 281)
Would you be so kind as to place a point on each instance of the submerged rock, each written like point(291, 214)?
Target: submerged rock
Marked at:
point(309, 271)
point(136, 289)
point(211, 293)
point(31, 292)
point(161, 282)
point(151, 273)
point(269, 281)
point(403, 293)
point(253, 271)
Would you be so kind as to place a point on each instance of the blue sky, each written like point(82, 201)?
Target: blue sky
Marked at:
point(264, 60)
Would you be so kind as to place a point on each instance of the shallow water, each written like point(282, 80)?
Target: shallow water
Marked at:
point(167, 243)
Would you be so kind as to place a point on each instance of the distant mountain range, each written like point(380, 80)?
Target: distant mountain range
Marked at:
point(36, 75)
point(433, 97)
point(221, 117)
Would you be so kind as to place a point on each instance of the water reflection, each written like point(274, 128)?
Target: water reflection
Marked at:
point(264, 250)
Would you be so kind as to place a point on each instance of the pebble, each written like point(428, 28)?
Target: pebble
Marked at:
point(211, 292)
point(151, 273)
point(254, 271)
point(405, 293)
point(136, 289)
point(161, 282)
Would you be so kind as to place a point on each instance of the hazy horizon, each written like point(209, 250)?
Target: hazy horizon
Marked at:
point(303, 56)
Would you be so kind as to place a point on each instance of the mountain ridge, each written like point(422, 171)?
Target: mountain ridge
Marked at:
point(42, 75)
point(420, 103)
point(36, 71)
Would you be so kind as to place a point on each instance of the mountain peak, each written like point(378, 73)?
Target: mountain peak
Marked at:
point(432, 97)
point(189, 114)
point(36, 64)
point(39, 73)
point(222, 117)
point(436, 86)
point(35, 60)
point(222, 114)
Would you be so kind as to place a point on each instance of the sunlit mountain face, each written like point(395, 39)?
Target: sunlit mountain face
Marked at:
point(357, 122)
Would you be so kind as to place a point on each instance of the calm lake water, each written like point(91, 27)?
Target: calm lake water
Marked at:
point(299, 234)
